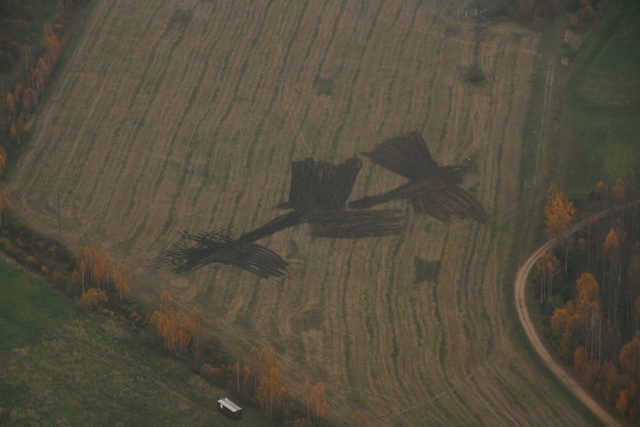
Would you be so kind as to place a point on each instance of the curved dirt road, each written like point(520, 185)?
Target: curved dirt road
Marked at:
point(525, 320)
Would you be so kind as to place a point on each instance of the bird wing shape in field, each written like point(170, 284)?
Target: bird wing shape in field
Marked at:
point(407, 155)
point(433, 190)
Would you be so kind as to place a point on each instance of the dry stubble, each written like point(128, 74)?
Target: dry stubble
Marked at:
point(185, 115)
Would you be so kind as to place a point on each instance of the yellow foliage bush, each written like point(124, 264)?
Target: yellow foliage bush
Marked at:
point(94, 298)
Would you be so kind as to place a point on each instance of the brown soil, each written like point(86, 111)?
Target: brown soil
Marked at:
point(185, 115)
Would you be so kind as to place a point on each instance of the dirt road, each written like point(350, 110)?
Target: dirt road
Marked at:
point(523, 314)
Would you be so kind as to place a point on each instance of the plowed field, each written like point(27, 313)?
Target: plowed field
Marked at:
point(173, 115)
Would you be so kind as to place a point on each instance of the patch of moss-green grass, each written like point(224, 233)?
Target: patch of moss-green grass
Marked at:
point(426, 270)
point(94, 371)
point(601, 104)
point(29, 308)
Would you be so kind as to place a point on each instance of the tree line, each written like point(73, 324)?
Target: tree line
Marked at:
point(260, 380)
point(97, 277)
point(5, 202)
point(26, 69)
point(180, 331)
point(589, 287)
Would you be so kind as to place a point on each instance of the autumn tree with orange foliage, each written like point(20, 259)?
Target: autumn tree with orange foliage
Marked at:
point(176, 328)
point(44, 68)
point(614, 264)
point(261, 378)
point(94, 298)
point(589, 315)
point(268, 388)
point(103, 269)
point(630, 359)
point(19, 90)
point(284, 398)
point(121, 281)
point(10, 105)
point(618, 189)
point(96, 268)
point(170, 325)
point(633, 277)
point(609, 383)
point(586, 369)
point(612, 246)
point(628, 403)
point(315, 400)
point(622, 404)
point(3, 160)
point(559, 213)
point(548, 273)
point(13, 130)
point(5, 206)
point(51, 45)
point(565, 324)
point(579, 323)
point(268, 379)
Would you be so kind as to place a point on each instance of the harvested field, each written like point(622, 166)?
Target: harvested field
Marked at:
point(172, 116)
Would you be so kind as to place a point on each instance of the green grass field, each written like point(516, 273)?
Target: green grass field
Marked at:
point(601, 104)
point(29, 309)
point(61, 366)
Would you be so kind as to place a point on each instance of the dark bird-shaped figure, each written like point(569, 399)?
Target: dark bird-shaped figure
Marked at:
point(432, 189)
point(318, 196)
